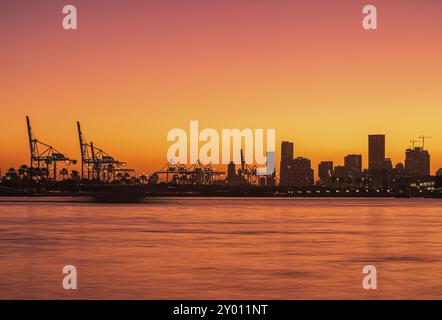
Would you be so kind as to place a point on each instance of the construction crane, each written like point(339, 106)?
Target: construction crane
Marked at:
point(96, 163)
point(413, 142)
point(44, 156)
point(423, 137)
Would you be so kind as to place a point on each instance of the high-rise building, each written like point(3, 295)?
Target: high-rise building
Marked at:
point(232, 177)
point(376, 151)
point(417, 161)
point(286, 163)
point(325, 172)
point(353, 166)
point(287, 150)
point(302, 172)
point(388, 164)
point(339, 172)
point(262, 181)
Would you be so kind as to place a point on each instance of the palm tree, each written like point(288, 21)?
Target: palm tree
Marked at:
point(75, 175)
point(43, 173)
point(23, 174)
point(153, 179)
point(30, 172)
point(11, 176)
point(64, 173)
point(143, 178)
point(11, 172)
point(22, 171)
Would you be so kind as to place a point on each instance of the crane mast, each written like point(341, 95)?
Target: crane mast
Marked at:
point(95, 162)
point(44, 160)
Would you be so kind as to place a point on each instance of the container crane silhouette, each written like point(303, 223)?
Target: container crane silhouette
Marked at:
point(96, 163)
point(44, 156)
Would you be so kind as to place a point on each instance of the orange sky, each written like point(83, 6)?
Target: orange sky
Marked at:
point(136, 69)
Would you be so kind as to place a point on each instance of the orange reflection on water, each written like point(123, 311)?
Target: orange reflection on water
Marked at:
point(206, 248)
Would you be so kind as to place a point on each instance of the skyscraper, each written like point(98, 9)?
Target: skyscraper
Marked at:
point(339, 173)
point(302, 172)
point(353, 166)
point(232, 177)
point(417, 161)
point(286, 163)
point(325, 172)
point(376, 151)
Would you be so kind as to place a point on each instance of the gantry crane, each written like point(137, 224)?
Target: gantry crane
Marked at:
point(96, 163)
point(44, 156)
point(198, 173)
point(247, 171)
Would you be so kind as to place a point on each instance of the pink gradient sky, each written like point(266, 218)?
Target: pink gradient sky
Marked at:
point(136, 69)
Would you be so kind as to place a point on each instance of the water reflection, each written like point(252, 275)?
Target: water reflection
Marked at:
point(221, 248)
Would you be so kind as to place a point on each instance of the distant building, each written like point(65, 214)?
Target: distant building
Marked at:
point(388, 164)
point(439, 181)
point(325, 173)
point(262, 182)
point(232, 177)
point(376, 151)
point(339, 176)
point(353, 166)
point(399, 177)
point(339, 172)
point(271, 181)
point(385, 176)
point(302, 172)
point(286, 163)
point(399, 171)
point(379, 167)
point(417, 161)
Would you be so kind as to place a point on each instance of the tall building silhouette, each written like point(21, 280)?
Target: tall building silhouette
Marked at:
point(302, 172)
point(353, 166)
point(286, 163)
point(376, 151)
point(232, 177)
point(325, 172)
point(378, 172)
point(339, 172)
point(417, 161)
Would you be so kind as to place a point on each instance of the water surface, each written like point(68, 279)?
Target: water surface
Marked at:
point(221, 248)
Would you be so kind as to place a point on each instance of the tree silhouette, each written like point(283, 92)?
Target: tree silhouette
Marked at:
point(75, 175)
point(64, 173)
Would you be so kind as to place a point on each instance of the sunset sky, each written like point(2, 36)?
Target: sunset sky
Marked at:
point(136, 69)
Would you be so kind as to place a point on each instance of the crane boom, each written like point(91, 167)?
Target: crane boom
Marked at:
point(423, 137)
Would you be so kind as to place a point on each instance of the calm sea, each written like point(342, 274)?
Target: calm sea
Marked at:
point(221, 248)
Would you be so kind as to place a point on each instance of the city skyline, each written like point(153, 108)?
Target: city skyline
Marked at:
point(220, 152)
point(297, 171)
point(377, 158)
point(326, 82)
